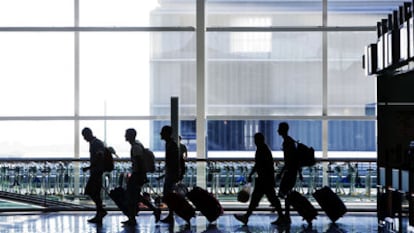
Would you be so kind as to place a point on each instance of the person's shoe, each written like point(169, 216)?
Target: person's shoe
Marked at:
point(242, 218)
point(130, 223)
point(157, 215)
point(96, 220)
point(101, 214)
point(124, 222)
point(282, 220)
point(277, 221)
point(169, 219)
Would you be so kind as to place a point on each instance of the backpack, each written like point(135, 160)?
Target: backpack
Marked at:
point(149, 160)
point(108, 159)
point(306, 155)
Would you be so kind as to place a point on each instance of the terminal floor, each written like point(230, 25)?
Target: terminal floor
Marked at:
point(76, 222)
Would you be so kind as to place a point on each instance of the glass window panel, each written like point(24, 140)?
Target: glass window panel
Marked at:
point(235, 138)
point(36, 13)
point(263, 13)
point(354, 136)
point(37, 73)
point(187, 132)
point(112, 132)
point(137, 13)
point(131, 73)
point(350, 92)
point(359, 13)
point(284, 79)
point(44, 139)
point(354, 19)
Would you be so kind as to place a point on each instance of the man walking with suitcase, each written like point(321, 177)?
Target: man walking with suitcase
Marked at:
point(136, 180)
point(289, 172)
point(172, 167)
point(96, 169)
point(265, 182)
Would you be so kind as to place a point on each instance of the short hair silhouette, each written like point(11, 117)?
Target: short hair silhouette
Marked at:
point(167, 130)
point(86, 131)
point(132, 132)
point(259, 138)
point(284, 126)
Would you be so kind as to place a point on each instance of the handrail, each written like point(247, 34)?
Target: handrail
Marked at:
point(62, 179)
point(221, 159)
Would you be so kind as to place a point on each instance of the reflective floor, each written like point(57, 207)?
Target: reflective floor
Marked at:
point(76, 222)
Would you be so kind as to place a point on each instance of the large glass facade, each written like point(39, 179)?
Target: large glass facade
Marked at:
point(111, 65)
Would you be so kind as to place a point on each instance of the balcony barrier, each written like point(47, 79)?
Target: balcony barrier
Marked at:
point(62, 180)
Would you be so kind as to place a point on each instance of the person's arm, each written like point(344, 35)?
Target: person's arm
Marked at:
point(249, 179)
point(97, 155)
point(279, 175)
point(254, 168)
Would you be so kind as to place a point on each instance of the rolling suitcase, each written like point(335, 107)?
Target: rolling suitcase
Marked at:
point(302, 206)
point(333, 206)
point(179, 205)
point(206, 203)
point(118, 195)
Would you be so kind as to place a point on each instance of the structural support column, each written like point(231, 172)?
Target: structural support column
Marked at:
point(325, 176)
point(201, 120)
point(76, 165)
point(175, 119)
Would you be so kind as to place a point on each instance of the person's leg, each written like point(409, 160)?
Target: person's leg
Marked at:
point(257, 195)
point(287, 209)
point(168, 186)
point(132, 196)
point(291, 176)
point(286, 185)
point(93, 189)
point(274, 200)
point(156, 211)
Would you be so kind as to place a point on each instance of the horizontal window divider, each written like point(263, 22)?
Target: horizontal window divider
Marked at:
point(291, 29)
point(288, 117)
point(189, 28)
point(189, 117)
point(396, 103)
point(96, 29)
point(58, 118)
point(160, 159)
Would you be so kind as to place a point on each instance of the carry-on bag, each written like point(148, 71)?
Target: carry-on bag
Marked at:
point(329, 201)
point(206, 203)
point(179, 205)
point(302, 206)
point(118, 195)
point(244, 194)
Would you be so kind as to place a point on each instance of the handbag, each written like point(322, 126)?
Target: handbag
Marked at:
point(244, 194)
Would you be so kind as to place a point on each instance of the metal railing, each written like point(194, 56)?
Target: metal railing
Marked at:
point(354, 180)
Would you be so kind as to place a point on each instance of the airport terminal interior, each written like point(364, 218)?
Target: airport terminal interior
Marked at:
point(339, 72)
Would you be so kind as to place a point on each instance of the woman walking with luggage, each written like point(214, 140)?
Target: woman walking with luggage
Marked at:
point(265, 181)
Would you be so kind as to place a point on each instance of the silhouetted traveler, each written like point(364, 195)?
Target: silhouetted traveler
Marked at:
point(96, 169)
point(172, 167)
point(183, 158)
point(137, 179)
point(265, 181)
point(289, 171)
